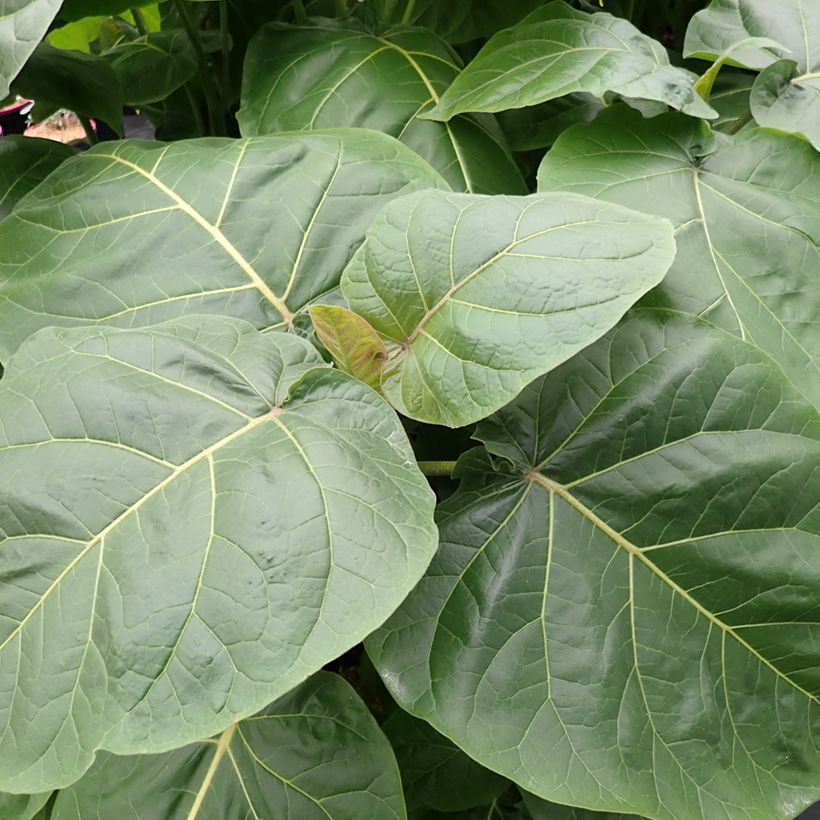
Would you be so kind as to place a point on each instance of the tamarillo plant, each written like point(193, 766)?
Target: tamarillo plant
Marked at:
point(426, 424)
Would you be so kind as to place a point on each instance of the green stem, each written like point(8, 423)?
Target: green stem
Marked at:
point(299, 11)
point(226, 49)
point(90, 134)
point(139, 21)
point(746, 118)
point(432, 468)
point(216, 120)
point(407, 17)
point(195, 109)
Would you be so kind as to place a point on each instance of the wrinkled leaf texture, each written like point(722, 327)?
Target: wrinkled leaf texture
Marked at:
point(194, 518)
point(134, 233)
point(622, 614)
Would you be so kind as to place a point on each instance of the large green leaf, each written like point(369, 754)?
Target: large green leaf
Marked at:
point(435, 773)
point(83, 83)
point(795, 24)
point(23, 23)
point(623, 611)
point(476, 296)
point(788, 99)
point(316, 753)
point(557, 50)
point(152, 67)
point(138, 232)
point(194, 519)
point(24, 163)
point(787, 93)
point(331, 75)
point(747, 218)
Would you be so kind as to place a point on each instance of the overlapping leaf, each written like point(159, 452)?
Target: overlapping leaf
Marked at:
point(24, 163)
point(23, 23)
point(476, 296)
point(194, 518)
point(747, 218)
point(330, 75)
point(316, 753)
point(623, 614)
point(557, 50)
point(133, 233)
point(786, 95)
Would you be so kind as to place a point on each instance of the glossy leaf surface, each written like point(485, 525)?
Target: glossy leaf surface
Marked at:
point(747, 217)
point(195, 517)
point(23, 23)
point(314, 754)
point(475, 296)
point(557, 50)
point(331, 75)
point(134, 233)
point(24, 163)
point(622, 614)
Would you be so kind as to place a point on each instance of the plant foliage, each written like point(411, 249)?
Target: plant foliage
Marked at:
point(425, 425)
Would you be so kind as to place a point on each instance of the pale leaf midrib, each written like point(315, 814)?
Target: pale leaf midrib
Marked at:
point(214, 231)
point(143, 499)
point(561, 491)
point(222, 747)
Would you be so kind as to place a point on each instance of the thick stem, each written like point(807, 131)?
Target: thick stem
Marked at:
point(433, 468)
point(90, 133)
point(407, 17)
point(200, 123)
point(226, 53)
point(216, 119)
point(139, 21)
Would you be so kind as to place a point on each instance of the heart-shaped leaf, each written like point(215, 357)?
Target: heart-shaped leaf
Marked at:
point(623, 613)
point(23, 23)
point(786, 95)
point(152, 67)
point(747, 217)
point(331, 75)
point(24, 163)
point(785, 98)
point(194, 518)
point(476, 296)
point(315, 754)
point(136, 232)
point(557, 50)
point(794, 24)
